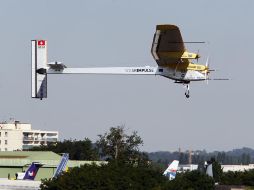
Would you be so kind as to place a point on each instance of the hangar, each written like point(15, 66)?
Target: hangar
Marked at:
point(18, 161)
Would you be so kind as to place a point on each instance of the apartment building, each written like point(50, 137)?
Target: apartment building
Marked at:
point(21, 136)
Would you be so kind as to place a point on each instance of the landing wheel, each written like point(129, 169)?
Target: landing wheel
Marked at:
point(187, 92)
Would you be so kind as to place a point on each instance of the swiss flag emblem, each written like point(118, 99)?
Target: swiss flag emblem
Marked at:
point(41, 43)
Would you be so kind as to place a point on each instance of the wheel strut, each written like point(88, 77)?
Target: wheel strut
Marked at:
point(187, 92)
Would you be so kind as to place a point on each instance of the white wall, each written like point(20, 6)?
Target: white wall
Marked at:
point(12, 135)
point(234, 168)
point(11, 140)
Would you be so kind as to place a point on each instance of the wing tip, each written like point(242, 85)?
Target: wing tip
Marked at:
point(167, 27)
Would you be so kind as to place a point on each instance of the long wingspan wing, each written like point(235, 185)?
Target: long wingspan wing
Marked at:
point(168, 46)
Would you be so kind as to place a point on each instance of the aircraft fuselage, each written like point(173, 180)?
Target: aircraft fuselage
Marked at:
point(184, 72)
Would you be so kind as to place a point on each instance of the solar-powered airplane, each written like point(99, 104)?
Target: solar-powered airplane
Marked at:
point(168, 50)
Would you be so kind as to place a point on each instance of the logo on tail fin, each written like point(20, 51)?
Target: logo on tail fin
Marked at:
point(31, 173)
point(41, 43)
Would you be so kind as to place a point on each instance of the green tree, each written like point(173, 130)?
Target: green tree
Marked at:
point(117, 145)
point(245, 158)
point(184, 158)
point(194, 180)
point(78, 150)
point(113, 176)
point(221, 157)
point(217, 171)
point(238, 178)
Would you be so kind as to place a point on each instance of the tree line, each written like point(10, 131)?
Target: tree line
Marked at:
point(128, 168)
point(243, 158)
point(87, 150)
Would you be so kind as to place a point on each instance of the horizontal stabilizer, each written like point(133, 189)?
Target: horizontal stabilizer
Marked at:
point(56, 66)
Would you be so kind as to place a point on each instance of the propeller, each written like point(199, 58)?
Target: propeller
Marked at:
point(207, 68)
point(198, 56)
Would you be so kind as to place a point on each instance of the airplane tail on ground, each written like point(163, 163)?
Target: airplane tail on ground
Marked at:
point(171, 170)
point(62, 165)
point(209, 169)
point(32, 171)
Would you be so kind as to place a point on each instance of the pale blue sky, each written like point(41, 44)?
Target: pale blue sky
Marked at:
point(83, 33)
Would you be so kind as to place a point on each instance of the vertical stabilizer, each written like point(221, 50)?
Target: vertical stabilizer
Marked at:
point(171, 170)
point(209, 170)
point(39, 69)
point(62, 165)
point(32, 171)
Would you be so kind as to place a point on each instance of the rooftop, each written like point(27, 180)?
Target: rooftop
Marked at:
point(47, 158)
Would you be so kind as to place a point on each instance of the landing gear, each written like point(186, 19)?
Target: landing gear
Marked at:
point(187, 92)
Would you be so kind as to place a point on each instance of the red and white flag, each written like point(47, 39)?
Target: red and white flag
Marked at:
point(41, 43)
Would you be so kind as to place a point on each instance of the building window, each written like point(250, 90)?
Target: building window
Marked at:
point(6, 149)
point(0, 141)
point(6, 134)
point(5, 142)
point(0, 134)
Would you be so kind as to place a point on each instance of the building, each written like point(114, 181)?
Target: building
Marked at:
point(187, 167)
point(12, 162)
point(21, 136)
point(225, 168)
point(237, 168)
